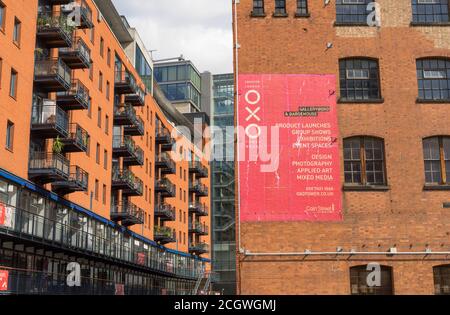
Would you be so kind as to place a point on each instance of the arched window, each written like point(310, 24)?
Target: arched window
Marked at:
point(430, 12)
point(441, 276)
point(370, 282)
point(433, 76)
point(359, 79)
point(364, 161)
point(436, 155)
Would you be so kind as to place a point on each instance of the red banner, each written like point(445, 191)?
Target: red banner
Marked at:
point(141, 258)
point(4, 280)
point(289, 167)
point(2, 213)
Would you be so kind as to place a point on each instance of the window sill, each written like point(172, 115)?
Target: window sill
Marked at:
point(436, 187)
point(9, 149)
point(302, 15)
point(429, 24)
point(280, 15)
point(368, 101)
point(425, 101)
point(16, 44)
point(2, 30)
point(351, 24)
point(380, 188)
point(257, 15)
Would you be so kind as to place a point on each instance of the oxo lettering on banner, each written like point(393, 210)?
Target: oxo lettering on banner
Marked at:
point(289, 167)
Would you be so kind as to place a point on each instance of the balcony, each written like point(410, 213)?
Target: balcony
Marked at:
point(77, 181)
point(52, 75)
point(78, 56)
point(124, 82)
point(48, 167)
point(136, 128)
point(49, 121)
point(165, 188)
point(137, 98)
point(126, 181)
point(198, 228)
point(128, 213)
point(53, 30)
point(123, 146)
point(198, 209)
point(164, 235)
point(76, 98)
point(199, 248)
point(162, 136)
point(169, 146)
point(85, 20)
point(165, 212)
point(165, 163)
point(198, 188)
point(136, 159)
point(77, 141)
point(197, 168)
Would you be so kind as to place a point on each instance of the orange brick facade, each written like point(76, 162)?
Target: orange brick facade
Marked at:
point(405, 215)
point(99, 122)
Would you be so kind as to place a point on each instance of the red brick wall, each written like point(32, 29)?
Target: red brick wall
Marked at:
point(405, 216)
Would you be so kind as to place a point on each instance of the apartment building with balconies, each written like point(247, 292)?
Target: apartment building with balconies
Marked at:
point(98, 184)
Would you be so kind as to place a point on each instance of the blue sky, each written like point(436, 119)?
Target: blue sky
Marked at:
point(201, 30)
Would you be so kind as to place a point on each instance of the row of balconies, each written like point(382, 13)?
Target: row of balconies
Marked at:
point(125, 83)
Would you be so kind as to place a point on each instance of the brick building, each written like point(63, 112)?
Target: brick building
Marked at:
point(393, 93)
point(92, 169)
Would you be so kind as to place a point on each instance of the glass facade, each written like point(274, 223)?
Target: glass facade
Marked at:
point(223, 181)
point(144, 69)
point(36, 217)
point(180, 82)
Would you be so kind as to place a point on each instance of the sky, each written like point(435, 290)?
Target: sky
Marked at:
point(201, 30)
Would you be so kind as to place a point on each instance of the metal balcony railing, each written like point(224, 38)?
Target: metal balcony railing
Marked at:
point(77, 181)
point(52, 75)
point(137, 98)
point(127, 213)
point(125, 83)
point(199, 248)
point(77, 97)
point(198, 228)
point(127, 182)
point(162, 135)
point(78, 56)
point(123, 145)
point(197, 168)
point(48, 167)
point(54, 30)
point(165, 187)
point(165, 162)
point(77, 140)
point(164, 235)
point(165, 212)
point(198, 188)
point(199, 209)
point(49, 120)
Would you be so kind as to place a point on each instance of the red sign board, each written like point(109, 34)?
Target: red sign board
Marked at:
point(2, 213)
point(120, 289)
point(4, 280)
point(288, 152)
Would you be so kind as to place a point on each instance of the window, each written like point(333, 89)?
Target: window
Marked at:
point(92, 35)
point(1, 64)
point(280, 7)
point(99, 117)
point(258, 7)
point(441, 275)
point(96, 189)
point(107, 124)
point(104, 195)
point(359, 79)
point(100, 81)
point(88, 145)
point(97, 154)
point(91, 71)
point(179, 215)
point(9, 135)
point(13, 84)
point(430, 11)
point(2, 16)
point(302, 8)
point(107, 90)
point(17, 31)
point(108, 57)
point(105, 159)
point(102, 46)
point(436, 154)
point(433, 76)
point(359, 285)
point(364, 161)
point(352, 11)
